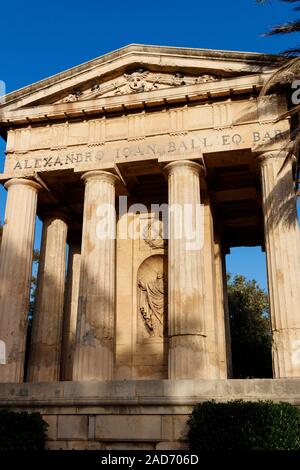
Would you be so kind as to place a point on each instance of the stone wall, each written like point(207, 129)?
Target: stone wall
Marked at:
point(138, 414)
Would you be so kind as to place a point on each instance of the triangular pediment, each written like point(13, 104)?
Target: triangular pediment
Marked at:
point(135, 70)
point(136, 81)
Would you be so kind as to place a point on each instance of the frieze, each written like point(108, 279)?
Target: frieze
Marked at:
point(194, 144)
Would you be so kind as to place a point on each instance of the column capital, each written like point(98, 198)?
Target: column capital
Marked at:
point(24, 182)
point(182, 164)
point(56, 214)
point(266, 157)
point(99, 175)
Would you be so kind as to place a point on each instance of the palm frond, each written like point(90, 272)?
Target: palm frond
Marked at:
point(285, 74)
point(292, 52)
point(289, 113)
point(289, 1)
point(285, 28)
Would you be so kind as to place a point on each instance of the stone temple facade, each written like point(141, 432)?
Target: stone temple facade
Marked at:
point(130, 331)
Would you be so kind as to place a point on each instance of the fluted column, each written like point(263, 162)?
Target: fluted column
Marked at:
point(213, 296)
point(209, 280)
point(188, 349)
point(70, 311)
point(282, 242)
point(94, 352)
point(45, 348)
point(221, 316)
point(227, 319)
point(15, 275)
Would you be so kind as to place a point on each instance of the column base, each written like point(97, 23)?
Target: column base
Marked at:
point(94, 361)
point(188, 358)
point(286, 353)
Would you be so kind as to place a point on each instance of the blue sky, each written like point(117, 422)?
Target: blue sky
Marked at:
point(39, 39)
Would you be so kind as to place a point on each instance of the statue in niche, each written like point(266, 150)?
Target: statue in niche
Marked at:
point(153, 305)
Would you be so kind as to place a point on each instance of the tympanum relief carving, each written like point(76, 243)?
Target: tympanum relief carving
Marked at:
point(136, 81)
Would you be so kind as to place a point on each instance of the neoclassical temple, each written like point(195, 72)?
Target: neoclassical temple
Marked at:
point(130, 330)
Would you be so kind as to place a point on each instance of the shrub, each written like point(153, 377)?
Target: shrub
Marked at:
point(239, 425)
point(22, 431)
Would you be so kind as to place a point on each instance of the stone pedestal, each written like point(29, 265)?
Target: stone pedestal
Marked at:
point(15, 275)
point(188, 349)
point(282, 242)
point(70, 311)
point(94, 353)
point(45, 348)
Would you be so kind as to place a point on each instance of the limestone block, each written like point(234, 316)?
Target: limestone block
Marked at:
point(171, 446)
point(128, 446)
point(56, 445)
point(52, 427)
point(127, 428)
point(72, 427)
point(180, 428)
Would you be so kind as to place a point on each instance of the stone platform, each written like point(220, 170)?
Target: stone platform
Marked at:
point(141, 414)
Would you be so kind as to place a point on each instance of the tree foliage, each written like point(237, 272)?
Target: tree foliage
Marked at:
point(239, 425)
point(22, 431)
point(250, 328)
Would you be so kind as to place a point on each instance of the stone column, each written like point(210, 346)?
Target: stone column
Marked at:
point(213, 296)
point(70, 311)
point(94, 352)
point(282, 242)
point(45, 348)
point(227, 319)
point(15, 275)
point(221, 316)
point(188, 349)
point(209, 280)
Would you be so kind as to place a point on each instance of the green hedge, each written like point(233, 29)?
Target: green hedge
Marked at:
point(22, 431)
point(244, 425)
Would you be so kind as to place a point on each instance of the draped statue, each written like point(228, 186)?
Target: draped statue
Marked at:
point(153, 304)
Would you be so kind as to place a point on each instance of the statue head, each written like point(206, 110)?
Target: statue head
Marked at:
point(136, 80)
point(160, 275)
